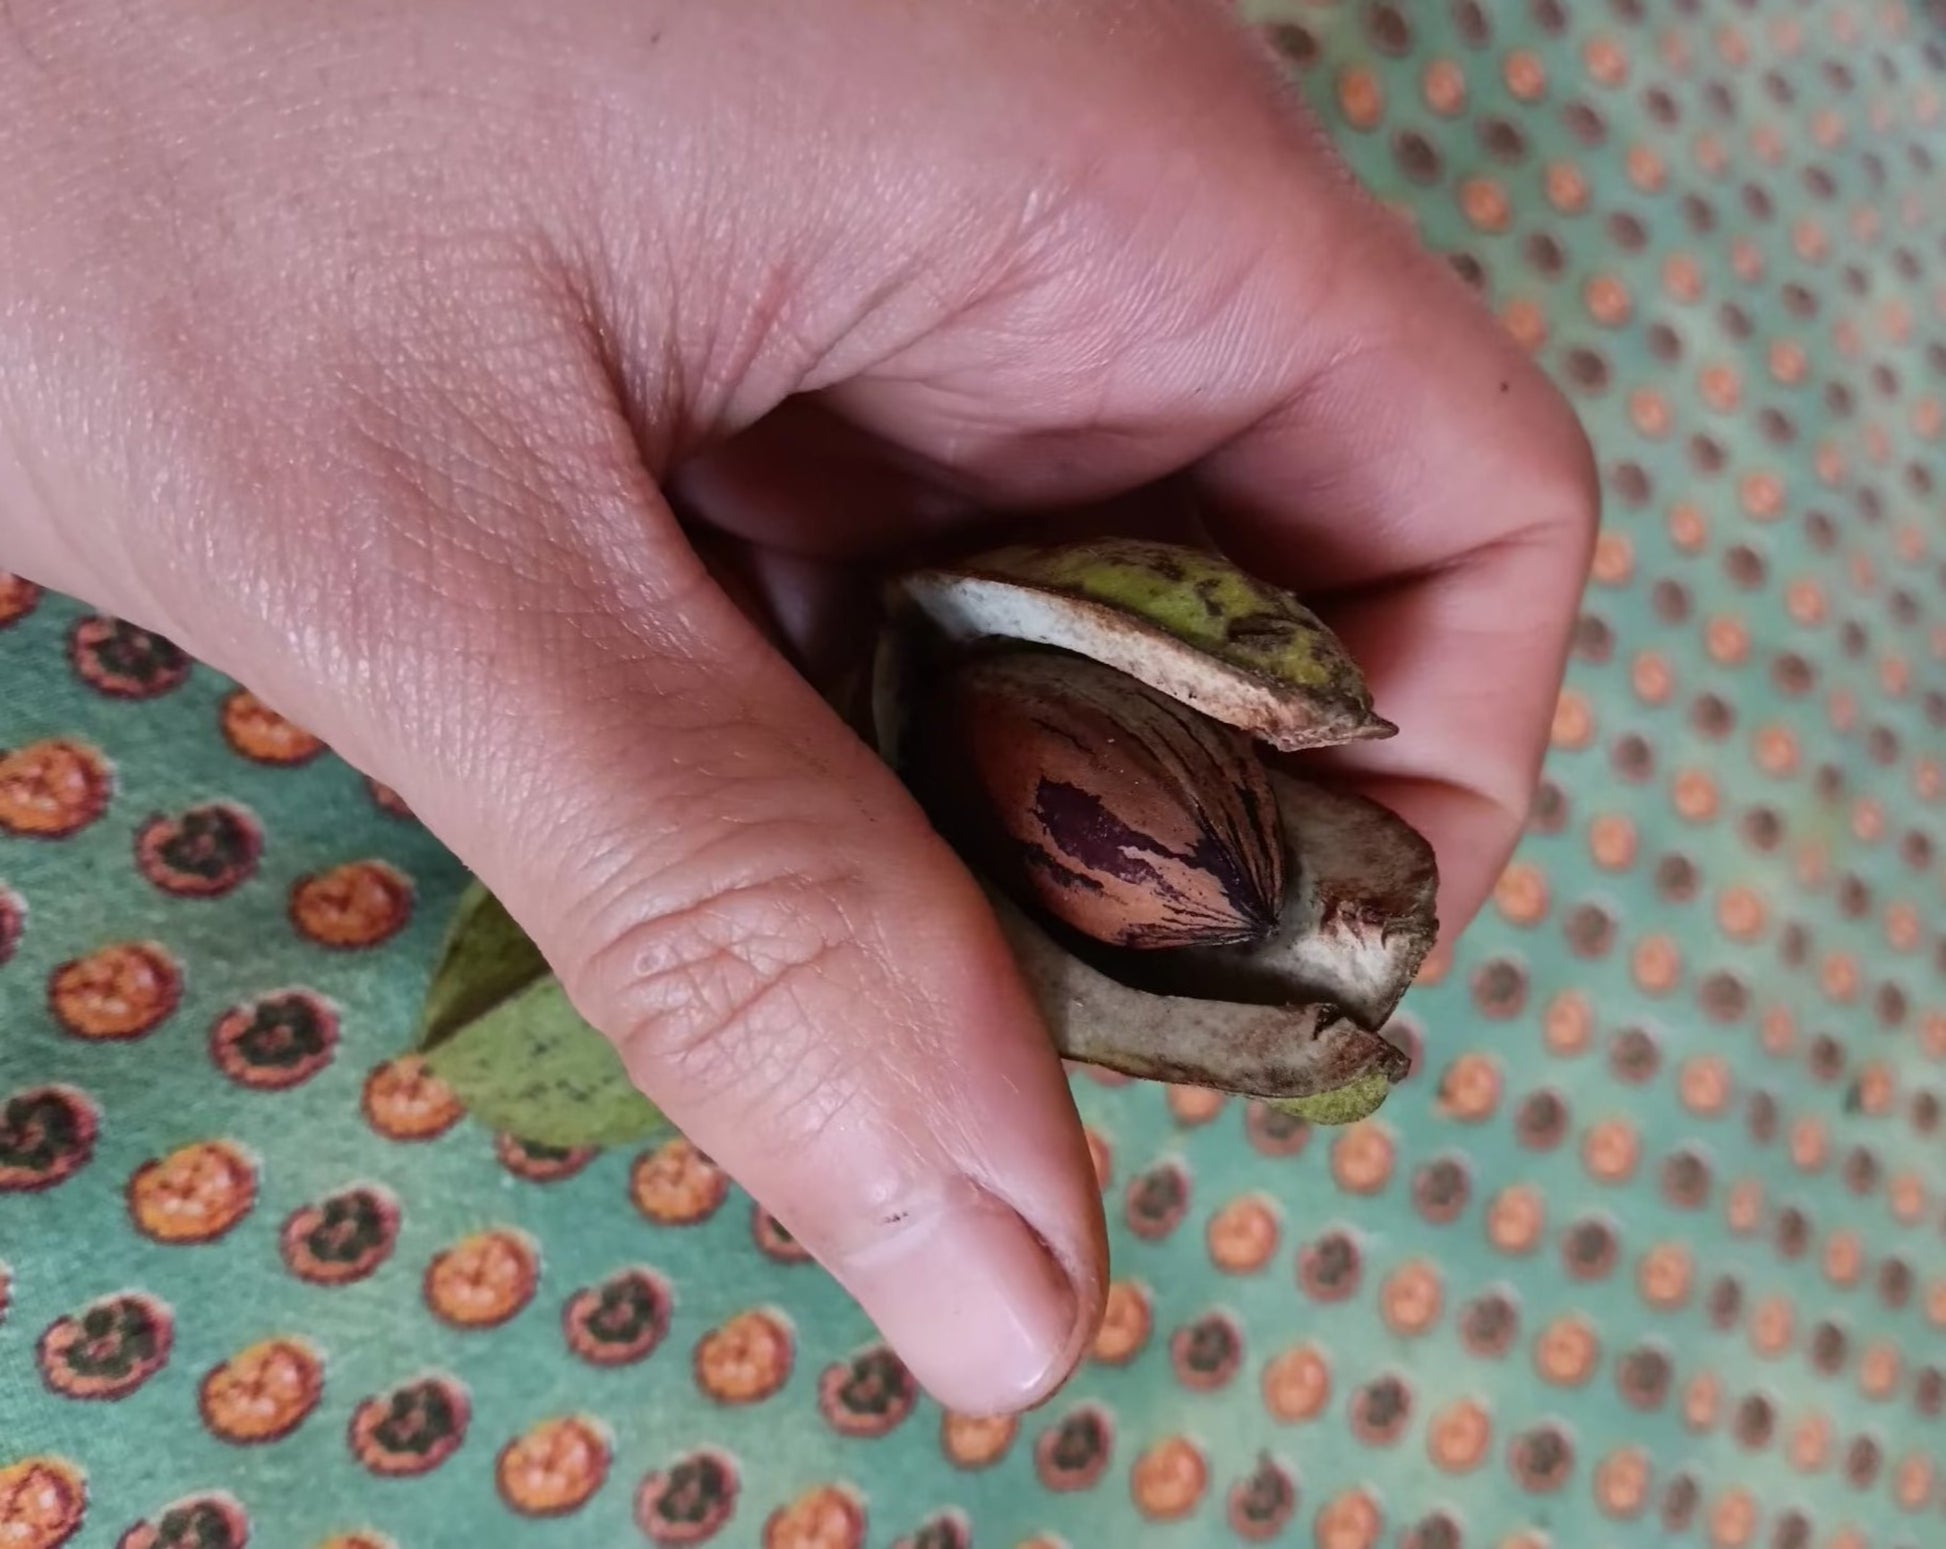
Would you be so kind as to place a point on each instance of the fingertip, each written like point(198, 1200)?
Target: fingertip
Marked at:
point(983, 1312)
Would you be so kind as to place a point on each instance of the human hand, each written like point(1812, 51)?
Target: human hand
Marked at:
point(365, 350)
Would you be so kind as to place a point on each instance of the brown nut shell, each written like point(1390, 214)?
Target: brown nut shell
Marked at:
point(1119, 811)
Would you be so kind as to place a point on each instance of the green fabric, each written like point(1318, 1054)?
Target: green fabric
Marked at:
point(1662, 1203)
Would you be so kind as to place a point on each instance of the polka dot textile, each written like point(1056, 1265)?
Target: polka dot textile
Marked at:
point(1649, 1250)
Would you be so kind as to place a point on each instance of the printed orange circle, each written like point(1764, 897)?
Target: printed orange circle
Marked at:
point(1297, 1384)
point(976, 1441)
point(43, 1500)
point(554, 1467)
point(1622, 1481)
point(1349, 1521)
point(746, 1359)
point(1411, 1297)
point(263, 1392)
point(1566, 1352)
point(1125, 1323)
point(1470, 1089)
point(404, 1100)
point(1361, 1157)
point(1243, 1234)
point(194, 1194)
point(1516, 1218)
point(1168, 1480)
point(483, 1280)
point(1665, 1275)
point(1459, 1437)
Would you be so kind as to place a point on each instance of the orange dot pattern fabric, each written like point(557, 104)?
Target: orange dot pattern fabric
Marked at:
point(1651, 1249)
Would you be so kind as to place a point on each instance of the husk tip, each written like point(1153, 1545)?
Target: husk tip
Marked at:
point(1355, 1100)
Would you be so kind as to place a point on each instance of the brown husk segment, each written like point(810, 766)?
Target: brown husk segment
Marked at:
point(1188, 624)
point(1276, 1052)
point(1359, 920)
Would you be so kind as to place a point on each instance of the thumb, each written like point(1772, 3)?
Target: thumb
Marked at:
point(740, 895)
point(732, 887)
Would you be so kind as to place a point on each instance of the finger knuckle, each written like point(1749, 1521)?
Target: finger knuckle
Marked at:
point(726, 992)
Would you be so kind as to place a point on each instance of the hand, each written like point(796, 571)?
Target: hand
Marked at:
point(365, 348)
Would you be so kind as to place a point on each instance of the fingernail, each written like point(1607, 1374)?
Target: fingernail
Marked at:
point(972, 1301)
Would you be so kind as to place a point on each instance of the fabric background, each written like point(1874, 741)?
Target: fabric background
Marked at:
point(1649, 1249)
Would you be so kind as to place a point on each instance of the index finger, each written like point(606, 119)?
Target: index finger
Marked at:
point(1431, 491)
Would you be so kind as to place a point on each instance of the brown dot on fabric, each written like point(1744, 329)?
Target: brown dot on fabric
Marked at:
point(1744, 566)
point(1388, 29)
point(1712, 716)
point(1587, 369)
point(1792, 1531)
point(1470, 22)
point(1676, 878)
point(1723, 996)
point(1760, 1117)
point(1544, 253)
point(1548, 813)
point(1584, 122)
point(1550, 16)
point(1680, 1498)
point(1630, 481)
point(1793, 674)
point(1633, 1056)
point(1500, 987)
point(1418, 157)
point(1590, 930)
point(1762, 828)
point(1296, 43)
point(1501, 138)
point(1825, 1059)
point(1889, 1003)
point(1632, 757)
point(1829, 1348)
point(1594, 641)
point(1627, 232)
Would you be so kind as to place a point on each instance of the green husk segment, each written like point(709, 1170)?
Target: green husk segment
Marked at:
point(1187, 623)
point(498, 1028)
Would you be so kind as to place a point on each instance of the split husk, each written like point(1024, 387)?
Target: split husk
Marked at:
point(1293, 1019)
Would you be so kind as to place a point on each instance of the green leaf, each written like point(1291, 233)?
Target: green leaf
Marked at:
point(486, 959)
point(499, 1029)
point(533, 1068)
